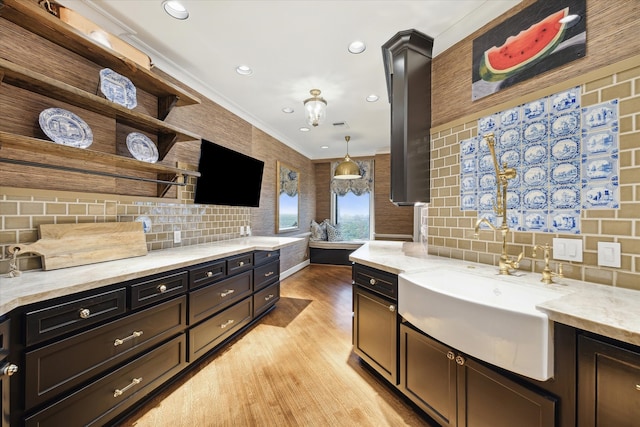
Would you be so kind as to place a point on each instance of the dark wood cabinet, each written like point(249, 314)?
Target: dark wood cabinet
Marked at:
point(7, 370)
point(204, 302)
point(456, 390)
point(608, 383)
point(375, 321)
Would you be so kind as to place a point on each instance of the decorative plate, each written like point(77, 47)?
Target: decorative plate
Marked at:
point(117, 88)
point(66, 128)
point(142, 148)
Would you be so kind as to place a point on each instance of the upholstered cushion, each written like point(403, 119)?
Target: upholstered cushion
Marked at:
point(333, 233)
point(318, 231)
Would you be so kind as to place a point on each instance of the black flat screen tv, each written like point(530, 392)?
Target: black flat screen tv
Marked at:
point(227, 177)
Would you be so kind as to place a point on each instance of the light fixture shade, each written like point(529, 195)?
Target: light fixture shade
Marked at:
point(347, 169)
point(315, 108)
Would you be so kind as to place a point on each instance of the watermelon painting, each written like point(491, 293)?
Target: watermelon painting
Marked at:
point(545, 35)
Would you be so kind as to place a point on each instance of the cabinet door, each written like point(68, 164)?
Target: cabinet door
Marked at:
point(428, 375)
point(375, 332)
point(608, 385)
point(4, 376)
point(487, 398)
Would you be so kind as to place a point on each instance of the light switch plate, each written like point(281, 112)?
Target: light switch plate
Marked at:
point(567, 249)
point(609, 254)
point(177, 238)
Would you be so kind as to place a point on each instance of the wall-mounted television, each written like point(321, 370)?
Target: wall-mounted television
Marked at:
point(227, 177)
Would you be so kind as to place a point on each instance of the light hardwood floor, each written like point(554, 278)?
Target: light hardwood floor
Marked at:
point(294, 368)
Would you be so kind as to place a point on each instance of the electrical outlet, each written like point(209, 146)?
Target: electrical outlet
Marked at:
point(242, 230)
point(177, 238)
point(248, 230)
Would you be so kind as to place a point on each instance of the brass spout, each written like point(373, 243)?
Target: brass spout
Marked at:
point(483, 221)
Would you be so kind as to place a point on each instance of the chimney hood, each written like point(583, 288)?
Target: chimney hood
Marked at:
point(407, 62)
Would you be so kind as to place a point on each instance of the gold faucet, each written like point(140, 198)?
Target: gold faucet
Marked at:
point(505, 264)
point(547, 274)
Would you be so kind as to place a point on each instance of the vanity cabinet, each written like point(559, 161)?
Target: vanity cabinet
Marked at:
point(375, 320)
point(7, 370)
point(456, 390)
point(608, 383)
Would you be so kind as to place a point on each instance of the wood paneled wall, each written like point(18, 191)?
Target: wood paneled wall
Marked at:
point(389, 218)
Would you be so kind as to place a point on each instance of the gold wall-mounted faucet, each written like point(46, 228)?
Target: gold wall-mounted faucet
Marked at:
point(547, 274)
point(506, 263)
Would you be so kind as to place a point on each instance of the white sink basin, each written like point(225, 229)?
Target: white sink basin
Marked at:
point(490, 317)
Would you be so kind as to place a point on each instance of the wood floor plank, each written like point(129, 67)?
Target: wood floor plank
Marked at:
point(294, 368)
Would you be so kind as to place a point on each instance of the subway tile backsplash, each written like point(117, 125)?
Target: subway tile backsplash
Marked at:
point(604, 200)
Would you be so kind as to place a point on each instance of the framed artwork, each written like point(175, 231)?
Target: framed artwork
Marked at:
point(288, 200)
point(541, 37)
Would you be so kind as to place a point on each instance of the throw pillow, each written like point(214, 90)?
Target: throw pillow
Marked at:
point(318, 231)
point(333, 233)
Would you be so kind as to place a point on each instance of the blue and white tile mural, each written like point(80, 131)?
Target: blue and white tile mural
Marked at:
point(566, 158)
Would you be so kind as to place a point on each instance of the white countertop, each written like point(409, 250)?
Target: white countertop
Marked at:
point(601, 309)
point(34, 286)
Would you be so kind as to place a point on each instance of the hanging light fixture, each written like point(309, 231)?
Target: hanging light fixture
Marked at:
point(347, 169)
point(315, 108)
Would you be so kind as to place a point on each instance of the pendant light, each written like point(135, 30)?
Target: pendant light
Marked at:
point(315, 108)
point(347, 169)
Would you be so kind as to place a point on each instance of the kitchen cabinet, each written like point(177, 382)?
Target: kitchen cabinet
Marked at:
point(375, 320)
point(35, 19)
point(92, 357)
point(608, 383)
point(456, 390)
point(7, 370)
point(407, 61)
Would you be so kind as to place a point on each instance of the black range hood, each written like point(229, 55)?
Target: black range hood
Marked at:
point(407, 62)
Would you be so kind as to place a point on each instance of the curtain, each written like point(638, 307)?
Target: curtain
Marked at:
point(358, 186)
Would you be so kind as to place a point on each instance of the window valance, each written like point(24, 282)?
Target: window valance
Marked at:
point(358, 186)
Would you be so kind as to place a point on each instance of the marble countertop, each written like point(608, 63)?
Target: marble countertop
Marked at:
point(34, 286)
point(604, 310)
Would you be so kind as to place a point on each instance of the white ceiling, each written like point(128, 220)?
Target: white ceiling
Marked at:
point(292, 46)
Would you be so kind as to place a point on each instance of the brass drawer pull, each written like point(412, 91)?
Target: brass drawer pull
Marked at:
point(9, 369)
point(119, 341)
point(241, 263)
point(392, 308)
point(372, 281)
point(84, 313)
point(269, 297)
point(271, 273)
point(460, 360)
point(209, 273)
point(162, 288)
point(450, 355)
point(120, 391)
point(227, 292)
point(227, 323)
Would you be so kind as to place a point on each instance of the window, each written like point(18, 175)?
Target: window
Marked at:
point(352, 214)
point(352, 203)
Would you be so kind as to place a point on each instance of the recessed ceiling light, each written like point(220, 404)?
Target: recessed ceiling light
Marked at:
point(357, 47)
point(372, 98)
point(287, 110)
point(175, 9)
point(304, 129)
point(244, 70)
point(324, 147)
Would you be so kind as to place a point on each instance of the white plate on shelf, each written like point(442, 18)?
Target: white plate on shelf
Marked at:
point(66, 128)
point(117, 88)
point(142, 148)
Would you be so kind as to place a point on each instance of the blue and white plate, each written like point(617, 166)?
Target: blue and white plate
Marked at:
point(66, 128)
point(117, 88)
point(142, 148)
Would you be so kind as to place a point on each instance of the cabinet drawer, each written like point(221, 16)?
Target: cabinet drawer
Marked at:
point(265, 299)
point(239, 263)
point(207, 273)
point(376, 280)
point(156, 290)
point(57, 367)
point(260, 257)
point(266, 274)
point(59, 319)
point(110, 395)
point(207, 301)
point(210, 333)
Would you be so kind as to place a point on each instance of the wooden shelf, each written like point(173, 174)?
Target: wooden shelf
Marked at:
point(168, 175)
point(31, 17)
point(19, 76)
